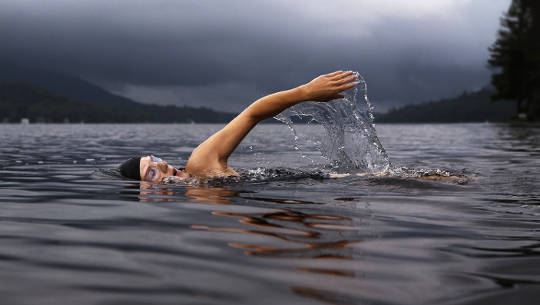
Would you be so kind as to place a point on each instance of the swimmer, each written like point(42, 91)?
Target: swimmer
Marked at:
point(210, 158)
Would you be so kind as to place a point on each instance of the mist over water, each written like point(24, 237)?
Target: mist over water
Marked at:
point(350, 142)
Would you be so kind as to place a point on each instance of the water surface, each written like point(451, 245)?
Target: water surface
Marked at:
point(73, 234)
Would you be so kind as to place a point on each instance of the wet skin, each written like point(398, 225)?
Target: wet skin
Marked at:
point(157, 171)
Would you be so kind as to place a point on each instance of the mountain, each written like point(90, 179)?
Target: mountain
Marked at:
point(468, 107)
point(49, 96)
point(22, 100)
point(65, 85)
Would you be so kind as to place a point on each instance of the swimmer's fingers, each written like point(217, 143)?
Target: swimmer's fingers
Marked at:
point(345, 80)
point(342, 75)
point(328, 87)
point(347, 86)
point(333, 74)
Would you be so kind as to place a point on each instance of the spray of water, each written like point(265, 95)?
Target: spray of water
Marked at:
point(350, 143)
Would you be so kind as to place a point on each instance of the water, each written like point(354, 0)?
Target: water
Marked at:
point(73, 234)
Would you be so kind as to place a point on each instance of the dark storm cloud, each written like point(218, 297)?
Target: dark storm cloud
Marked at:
point(224, 54)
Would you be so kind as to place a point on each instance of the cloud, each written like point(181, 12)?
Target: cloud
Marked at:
point(408, 51)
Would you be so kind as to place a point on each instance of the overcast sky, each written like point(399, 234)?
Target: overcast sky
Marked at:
point(225, 54)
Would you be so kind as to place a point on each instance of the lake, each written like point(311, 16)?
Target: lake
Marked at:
point(73, 233)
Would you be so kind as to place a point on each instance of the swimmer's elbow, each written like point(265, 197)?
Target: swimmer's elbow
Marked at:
point(252, 115)
point(262, 109)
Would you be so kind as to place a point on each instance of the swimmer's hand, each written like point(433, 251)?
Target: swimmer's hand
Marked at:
point(329, 86)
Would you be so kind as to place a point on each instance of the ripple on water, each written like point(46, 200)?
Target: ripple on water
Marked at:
point(282, 233)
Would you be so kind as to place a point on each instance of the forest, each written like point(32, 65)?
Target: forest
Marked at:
point(515, 59)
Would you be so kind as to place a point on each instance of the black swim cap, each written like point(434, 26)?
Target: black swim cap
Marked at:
point(131, 168)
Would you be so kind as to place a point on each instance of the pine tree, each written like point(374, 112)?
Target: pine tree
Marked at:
point(515, 56)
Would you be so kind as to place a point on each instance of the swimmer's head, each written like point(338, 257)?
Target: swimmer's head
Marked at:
point(148, 168)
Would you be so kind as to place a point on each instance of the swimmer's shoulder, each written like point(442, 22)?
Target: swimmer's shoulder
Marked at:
point(209, 170)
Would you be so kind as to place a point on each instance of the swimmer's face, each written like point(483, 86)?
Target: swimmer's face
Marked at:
point(154, 169)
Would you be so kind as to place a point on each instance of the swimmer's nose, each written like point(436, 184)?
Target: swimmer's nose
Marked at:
point(163, 166)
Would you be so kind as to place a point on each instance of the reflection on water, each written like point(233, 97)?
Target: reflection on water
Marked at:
point(301, 235)
point(73, 232)
point(309, 235)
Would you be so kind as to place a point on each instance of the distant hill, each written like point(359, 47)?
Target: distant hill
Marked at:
point(23, 100)
point(468, 107)
point(48, 96)
point(69, 86)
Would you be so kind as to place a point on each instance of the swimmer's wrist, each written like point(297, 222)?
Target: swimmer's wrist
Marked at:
point(302, 93)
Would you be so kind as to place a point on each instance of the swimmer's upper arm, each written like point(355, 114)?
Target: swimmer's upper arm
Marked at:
point(215, 151)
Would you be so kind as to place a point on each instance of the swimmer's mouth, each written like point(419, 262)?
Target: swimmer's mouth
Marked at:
point(175, 171)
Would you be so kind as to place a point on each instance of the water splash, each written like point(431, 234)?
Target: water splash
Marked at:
point(350, 144)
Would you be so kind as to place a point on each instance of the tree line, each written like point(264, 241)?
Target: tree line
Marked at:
point(20, 100)
point(468, 107)
point(515, 58)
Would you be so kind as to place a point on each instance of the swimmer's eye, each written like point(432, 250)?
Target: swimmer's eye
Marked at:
point(152, 174)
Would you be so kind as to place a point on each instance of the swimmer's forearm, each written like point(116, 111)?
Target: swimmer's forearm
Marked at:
point(273, 104)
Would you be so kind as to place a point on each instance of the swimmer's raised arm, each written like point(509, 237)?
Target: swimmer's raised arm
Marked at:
point(212, 154)
point(322, 89)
